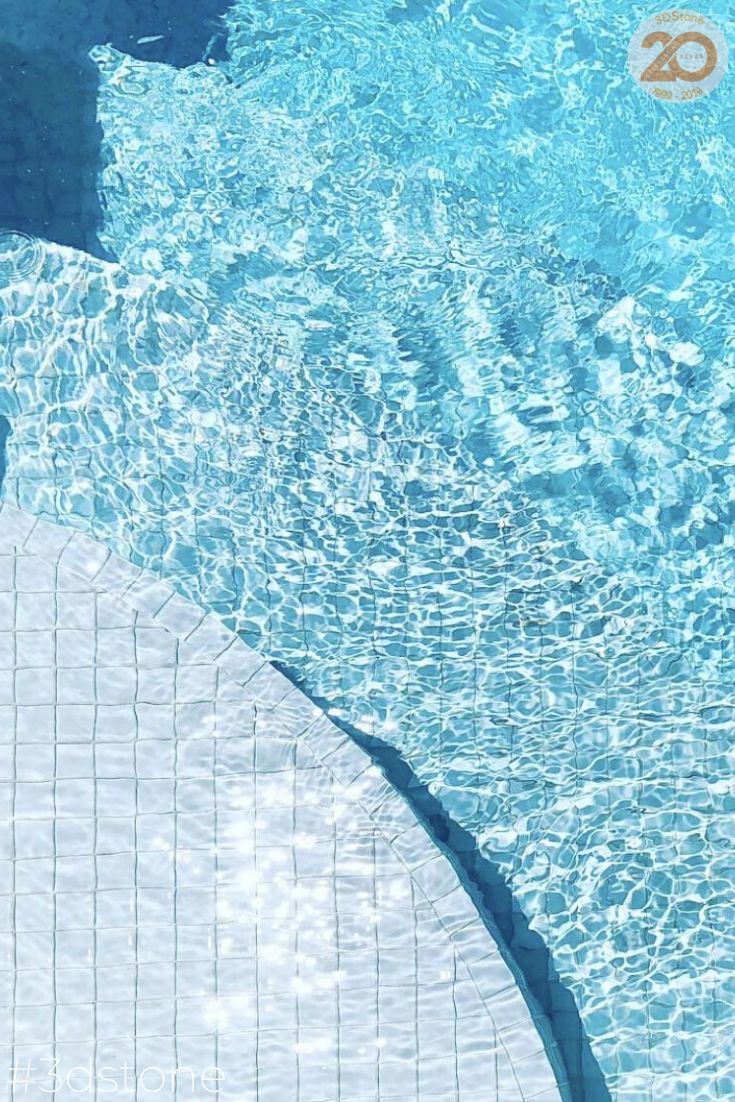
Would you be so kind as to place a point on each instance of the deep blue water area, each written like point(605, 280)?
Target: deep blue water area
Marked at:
point(50, 140)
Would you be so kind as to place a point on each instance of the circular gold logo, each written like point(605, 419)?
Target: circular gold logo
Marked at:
point(678, 56)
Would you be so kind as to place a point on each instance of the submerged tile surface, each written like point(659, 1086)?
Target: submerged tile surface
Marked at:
point(199, 871)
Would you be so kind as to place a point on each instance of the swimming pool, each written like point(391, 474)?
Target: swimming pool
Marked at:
point(414, 364)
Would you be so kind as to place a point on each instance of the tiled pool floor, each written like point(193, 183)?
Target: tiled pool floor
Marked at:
point(200, 871)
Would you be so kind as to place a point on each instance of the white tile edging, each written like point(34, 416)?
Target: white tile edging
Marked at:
point(204, 636)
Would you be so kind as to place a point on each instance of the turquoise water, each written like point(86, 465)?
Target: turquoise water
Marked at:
point(417, 366)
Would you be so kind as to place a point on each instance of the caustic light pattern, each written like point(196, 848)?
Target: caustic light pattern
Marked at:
point(416, 367)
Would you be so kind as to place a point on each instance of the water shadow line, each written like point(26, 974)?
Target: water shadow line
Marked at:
point(525, 952)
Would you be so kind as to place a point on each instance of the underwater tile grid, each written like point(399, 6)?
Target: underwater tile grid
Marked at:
point(399, 337)
point(203, 872)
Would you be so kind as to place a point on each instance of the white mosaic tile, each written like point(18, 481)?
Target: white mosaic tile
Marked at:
point(198, 870)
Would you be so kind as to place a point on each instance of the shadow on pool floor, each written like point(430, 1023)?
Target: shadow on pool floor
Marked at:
point(50, 139)
point(524, 950)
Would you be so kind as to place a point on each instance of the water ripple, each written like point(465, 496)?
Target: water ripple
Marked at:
point(21, 257)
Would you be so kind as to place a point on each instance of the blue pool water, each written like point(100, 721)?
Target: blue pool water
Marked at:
point(50, 138)
point(417, 366)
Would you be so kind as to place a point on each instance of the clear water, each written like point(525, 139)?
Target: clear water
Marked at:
point(50, 137)
point(417, 367)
